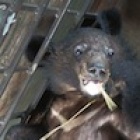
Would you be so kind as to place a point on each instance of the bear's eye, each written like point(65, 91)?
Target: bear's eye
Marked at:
point(79, 49)
point(78, 52)
point(110, 52)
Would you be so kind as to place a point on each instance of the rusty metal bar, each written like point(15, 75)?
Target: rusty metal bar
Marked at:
point(52, 33)
point(16, 59)
point(49, 37)
point(46, 42)
point(34, 66)
point(60, 14)
point(29, 7)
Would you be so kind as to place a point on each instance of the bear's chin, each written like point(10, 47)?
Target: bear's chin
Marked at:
point(91, 88)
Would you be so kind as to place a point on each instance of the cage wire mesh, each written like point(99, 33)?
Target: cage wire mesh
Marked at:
point(19, 20)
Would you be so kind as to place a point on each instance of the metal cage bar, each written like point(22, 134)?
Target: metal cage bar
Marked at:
point(9, 72)
point(60, 18)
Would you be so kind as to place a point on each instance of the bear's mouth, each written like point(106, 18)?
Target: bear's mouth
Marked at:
point(87, 81)
point(91, 86)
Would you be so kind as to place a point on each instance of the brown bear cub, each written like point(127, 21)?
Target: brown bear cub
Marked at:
point(87, 60)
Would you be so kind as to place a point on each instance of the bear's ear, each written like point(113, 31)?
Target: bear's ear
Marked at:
point(110, 21)
point(33, 47)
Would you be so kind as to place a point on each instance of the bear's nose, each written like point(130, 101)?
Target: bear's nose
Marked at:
point(97, 71)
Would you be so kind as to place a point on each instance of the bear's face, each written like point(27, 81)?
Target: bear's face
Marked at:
point(83, 62)
point(92, 58)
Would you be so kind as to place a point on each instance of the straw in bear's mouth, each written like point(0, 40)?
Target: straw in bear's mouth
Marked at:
point(96, 87)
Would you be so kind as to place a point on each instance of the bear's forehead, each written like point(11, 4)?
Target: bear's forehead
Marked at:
point(97, 42)
point(94, 39)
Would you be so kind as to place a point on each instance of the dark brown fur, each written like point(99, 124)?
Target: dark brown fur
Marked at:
point(122, 124)
point(63, 70)
point(103, 125)
point(64, 67)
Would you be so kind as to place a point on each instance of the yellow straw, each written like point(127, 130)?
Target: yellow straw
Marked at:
point(111, 105)
point(109, 102)
point(66, 123)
